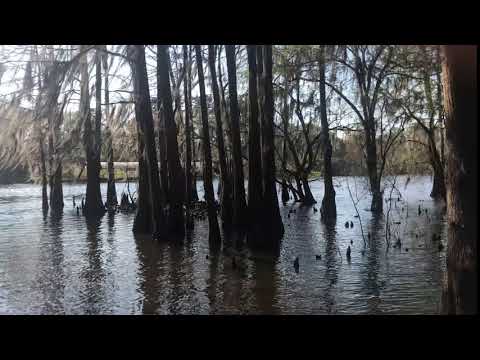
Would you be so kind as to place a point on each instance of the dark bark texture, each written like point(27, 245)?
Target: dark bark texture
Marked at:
point(225, 184)
point(188, 140)
point(214, 232)
point(459, 78)
point(91, 139)
point(239, 203)
point(176, 222)
point(150, 217)
point(328, 211)
point(273, 225)
point(255, 195)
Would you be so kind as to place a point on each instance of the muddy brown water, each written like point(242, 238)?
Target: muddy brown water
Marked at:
point(66, 265)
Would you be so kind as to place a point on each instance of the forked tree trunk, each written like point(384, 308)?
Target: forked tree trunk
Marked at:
point(459, 78)
point(239, 204)
point(214, 231)
point(176, 222)
point(225, 184)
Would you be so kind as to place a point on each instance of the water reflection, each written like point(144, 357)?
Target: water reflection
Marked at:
point(50, 280)
point(150, 259)
point(93, 272)
point(67, 264)
point(331, 270)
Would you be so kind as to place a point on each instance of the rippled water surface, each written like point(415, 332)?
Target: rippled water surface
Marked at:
point(64, 265)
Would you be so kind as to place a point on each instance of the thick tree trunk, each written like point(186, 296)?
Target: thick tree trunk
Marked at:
point(459, 78)
point(161, 135)
point(255, 196)
point(111, 189)
point(188, 140)
point(143, 222)
point(239, 204)
point(273, 225)
point(54, 118)
point(261, 98)
point(328, 211)
point(176, 223)
point(92, 144)
point(225, 185)
point(150, 217)
point(214, 232)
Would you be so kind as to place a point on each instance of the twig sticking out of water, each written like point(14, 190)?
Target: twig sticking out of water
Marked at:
point(358, 214)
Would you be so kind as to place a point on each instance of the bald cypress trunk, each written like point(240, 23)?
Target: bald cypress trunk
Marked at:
point(214, 232)
point(273, 225)
point(328, 211)
point(239, 204)
point(54, 119)
point(176, 222)
point(161, 135)
point(255, 196)
point(91, 139)
point(225, 185)
point(150, 217)
point(459, 76)
point(111, 189)
point(43, 170)
point(188, 140)
point(285, 194)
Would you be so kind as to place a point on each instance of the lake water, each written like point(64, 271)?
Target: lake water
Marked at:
point(64, 265)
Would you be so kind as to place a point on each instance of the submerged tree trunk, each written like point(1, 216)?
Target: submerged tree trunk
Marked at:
point(176, 222)
point(150, 217)
point(111, 189)
point(371, 150)
point(328, 211)
point(54, 119)
point(225, 185)
point(273, 225)
point(255, 196)
point(91, 139)
point(239, 204)
point(214, 232)
point(43, 170)
point(161, 135)
point(459, 76)
point(188, 140)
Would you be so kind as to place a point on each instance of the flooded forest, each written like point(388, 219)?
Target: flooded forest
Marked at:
point(238, 179)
